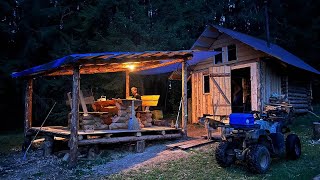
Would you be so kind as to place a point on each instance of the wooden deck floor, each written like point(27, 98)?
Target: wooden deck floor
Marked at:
point(61, 130)
point(112, 136)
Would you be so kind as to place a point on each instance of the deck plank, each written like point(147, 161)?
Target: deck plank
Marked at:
point(194, 144)
point(65, 131)
point(181, 143)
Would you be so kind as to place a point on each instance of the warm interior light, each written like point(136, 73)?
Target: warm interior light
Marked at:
point(131, 67)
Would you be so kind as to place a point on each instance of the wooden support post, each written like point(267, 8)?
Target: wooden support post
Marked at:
point(48, 145)
point(28, 107)
point(73, 141)
point(184, 111)
point(140, 146)
point(127, 84)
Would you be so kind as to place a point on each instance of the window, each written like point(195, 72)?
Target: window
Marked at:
point(206, 84)
point(232, 52)
point(218, 57)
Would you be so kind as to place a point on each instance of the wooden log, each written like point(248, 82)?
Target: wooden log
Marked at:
point(300, 111)
point(184, 110)
point(118, 126)
point(28, 106)
point(297, 95)
point(128, 139)
point(73, 141)
point(300, 106)
point(122, 112)
point(87, 122)
point(149, 120)
point(293, 90)
point(140, 146)
point(147, 124)
point(298, 99)
point(299, 102)
point(88, 128)
point(316, 130)
point(299, 88)
point(48, 145)
point(120, 119)
point(127, 84)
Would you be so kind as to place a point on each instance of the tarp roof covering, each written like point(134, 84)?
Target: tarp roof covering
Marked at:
point(149, 62)
point(258, 44)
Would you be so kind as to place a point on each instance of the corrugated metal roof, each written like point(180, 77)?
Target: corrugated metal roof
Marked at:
point(258, 44)
point(91, 63)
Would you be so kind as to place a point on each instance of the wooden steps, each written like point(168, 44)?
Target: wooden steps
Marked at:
point(189, 144)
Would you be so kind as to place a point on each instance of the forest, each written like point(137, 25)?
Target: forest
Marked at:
point(35, 32)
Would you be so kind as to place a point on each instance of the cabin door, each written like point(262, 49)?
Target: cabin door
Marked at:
point(221, 98)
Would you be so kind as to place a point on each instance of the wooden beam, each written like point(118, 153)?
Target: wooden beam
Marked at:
point(184, 111)
point(160, 65)
point(127, 84)
point(28, 106)
point(127, 139)
point(73, 142)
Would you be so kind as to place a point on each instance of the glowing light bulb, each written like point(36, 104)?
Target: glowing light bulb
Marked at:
point(131, 67)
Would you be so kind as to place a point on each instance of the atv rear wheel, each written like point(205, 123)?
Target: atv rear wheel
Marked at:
point(225, 154)
point(258, 159)
point(293, 147)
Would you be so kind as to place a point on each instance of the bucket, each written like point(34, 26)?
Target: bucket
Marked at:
point(157, 114)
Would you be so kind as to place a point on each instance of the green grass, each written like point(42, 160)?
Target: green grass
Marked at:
point(11, 141)
point(202, 165)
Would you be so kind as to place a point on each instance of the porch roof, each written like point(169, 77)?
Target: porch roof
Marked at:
point(148, 62)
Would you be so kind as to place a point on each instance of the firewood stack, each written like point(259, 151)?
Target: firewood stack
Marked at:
point(279, 107)
point(145, 118)
point(91, 123)
point(120, 121)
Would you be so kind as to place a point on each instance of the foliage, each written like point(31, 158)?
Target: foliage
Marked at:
point(10, 141)
point(34, 32)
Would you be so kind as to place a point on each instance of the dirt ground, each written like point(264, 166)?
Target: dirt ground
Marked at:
point(110, 160)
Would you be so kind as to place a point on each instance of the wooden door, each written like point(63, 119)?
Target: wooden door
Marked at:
point(221, 98)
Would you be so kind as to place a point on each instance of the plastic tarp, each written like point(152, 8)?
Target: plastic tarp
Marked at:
point(198, 56)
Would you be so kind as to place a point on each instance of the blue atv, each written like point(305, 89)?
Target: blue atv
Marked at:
point(254, 139)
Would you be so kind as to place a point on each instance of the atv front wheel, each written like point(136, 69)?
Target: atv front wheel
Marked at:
point(225, 154)
point(293, 147)
point(258, 159)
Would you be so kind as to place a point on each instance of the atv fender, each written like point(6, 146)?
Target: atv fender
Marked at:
point(255, 134)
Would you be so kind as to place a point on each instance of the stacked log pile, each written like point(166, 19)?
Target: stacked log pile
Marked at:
point(299, 98)
point(92, 122)
point(279, 108)
point(145, 118)
point(120, 120)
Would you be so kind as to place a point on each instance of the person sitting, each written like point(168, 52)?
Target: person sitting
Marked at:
point(136, 95)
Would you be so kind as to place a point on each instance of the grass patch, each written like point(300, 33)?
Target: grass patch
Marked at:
point(202, 165)
point(11, 141)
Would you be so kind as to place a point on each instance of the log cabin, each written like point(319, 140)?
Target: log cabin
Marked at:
point(246, 75)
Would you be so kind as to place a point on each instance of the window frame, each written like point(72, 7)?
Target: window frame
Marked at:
point(229, 50)
point(218, 55)
point(204, 84)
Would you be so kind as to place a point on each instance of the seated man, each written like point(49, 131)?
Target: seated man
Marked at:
point(136, 95)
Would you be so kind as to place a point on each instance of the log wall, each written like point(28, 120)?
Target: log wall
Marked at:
point(299, 94)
